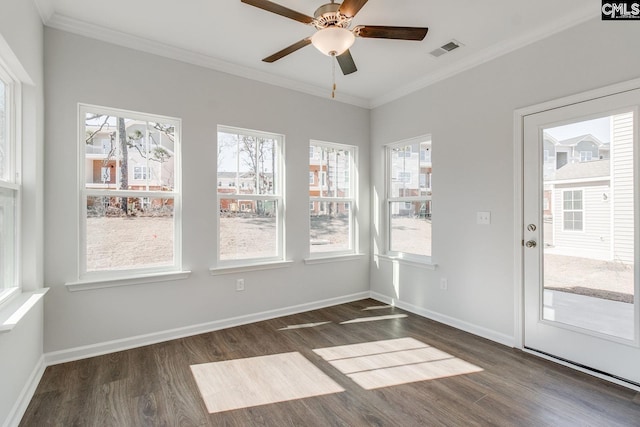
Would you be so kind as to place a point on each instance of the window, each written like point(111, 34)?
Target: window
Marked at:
point(311, 178)
point(254, 233)
point(140, 172)
point(130, 197)
point(425, 155)
point(586, 156)
point(9, 186)
point(573, 210)
point(332, 214)
point(404, 177)
point(545, 156)
point(409, 201)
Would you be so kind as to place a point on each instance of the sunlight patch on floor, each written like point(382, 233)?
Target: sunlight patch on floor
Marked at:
point(303, 326)
point(377, 307)
point(374, 318)
point(393, 362)
point(243, 383)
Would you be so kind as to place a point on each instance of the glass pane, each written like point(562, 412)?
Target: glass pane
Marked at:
point(246, 164)
point(129, 233)
point(334, 170)
point(411, 227)
point(330, 226)
point(7, 238)
point(4, 141)
point(410, 173)
point(127, 154)
point(588, 210)
point(248, 229)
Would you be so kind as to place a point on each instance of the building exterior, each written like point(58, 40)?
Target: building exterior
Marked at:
point(149, 162)
point(588, 194)
point(329, 176)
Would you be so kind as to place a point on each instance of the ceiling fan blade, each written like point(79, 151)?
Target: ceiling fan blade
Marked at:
point(345, 60)
point(382, 32)
point(349, 8)
point(287, 50)
point(270, 6)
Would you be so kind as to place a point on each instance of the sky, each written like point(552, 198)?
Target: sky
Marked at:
point(600, 128)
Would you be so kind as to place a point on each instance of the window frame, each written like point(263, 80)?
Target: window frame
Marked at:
point(140, 173)
point(84, 194)
point(390, 200)
point(352, 200)
point(581, 210)
point(586, 156)
point(278, 195)
point(10, 285)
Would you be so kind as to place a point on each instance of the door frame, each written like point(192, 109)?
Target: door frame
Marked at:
point(518, 209)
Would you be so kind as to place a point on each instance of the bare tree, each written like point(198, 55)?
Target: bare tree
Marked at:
point(124, 163)
point(155, 153)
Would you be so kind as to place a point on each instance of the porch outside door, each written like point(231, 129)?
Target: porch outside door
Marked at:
point(580, 214)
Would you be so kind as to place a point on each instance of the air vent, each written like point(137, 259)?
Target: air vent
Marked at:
point(445, 48)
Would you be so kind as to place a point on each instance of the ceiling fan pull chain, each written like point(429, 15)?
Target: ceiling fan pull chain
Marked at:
point(333, 74)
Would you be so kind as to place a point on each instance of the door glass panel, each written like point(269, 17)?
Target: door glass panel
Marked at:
point(588, 228)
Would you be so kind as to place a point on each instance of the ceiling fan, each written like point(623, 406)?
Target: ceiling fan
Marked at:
point(333, 37)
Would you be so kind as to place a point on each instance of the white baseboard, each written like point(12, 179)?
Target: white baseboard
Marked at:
point(480, 331)
point(19, 408)
point(62, 356)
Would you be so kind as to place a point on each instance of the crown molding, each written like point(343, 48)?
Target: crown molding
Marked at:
point(71, 25)
point(578, 17)
point(45, 9)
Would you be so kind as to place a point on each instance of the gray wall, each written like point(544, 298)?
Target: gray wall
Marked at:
point(471, 118)
point(21, 349)
point(80, 69)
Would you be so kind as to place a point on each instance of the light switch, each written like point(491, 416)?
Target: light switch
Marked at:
point(484, 218)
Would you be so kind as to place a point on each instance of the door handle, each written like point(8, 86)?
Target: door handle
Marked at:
point(531, 244)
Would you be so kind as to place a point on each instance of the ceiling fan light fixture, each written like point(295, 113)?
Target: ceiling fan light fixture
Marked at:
point(333, 41)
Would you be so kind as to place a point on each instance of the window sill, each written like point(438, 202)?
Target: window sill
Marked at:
point(86, 285)
point(17, 308)
point(427, 265)
point(218, 271)
point(332, 258)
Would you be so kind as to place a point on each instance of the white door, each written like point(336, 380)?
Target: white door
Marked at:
point(581, 291)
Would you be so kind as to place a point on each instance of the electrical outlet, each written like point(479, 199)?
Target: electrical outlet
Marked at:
point(240, 285)
point(484, 218)
point(444, 284)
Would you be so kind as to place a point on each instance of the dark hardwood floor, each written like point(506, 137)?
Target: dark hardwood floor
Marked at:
point(154, 385)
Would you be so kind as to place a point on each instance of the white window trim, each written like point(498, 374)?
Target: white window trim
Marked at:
point(127, 276)
point(588, 156)
point(141, 170)
point(352, 200)
point(86, 285)
point(405, 258)
point(241, 268)
point(17, 308)
point(333, 257)
point(249, 264)
point(583, 210)
point(13, 92)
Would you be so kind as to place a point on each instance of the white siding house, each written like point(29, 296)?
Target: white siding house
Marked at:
point(592, 200)
point(622, 181)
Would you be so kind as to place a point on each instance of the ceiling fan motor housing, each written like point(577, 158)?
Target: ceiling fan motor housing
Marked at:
point(327, 15)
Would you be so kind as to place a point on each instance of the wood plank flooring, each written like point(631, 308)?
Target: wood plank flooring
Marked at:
point(155, 386)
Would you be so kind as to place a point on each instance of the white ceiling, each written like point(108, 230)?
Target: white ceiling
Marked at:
point(233, 37)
